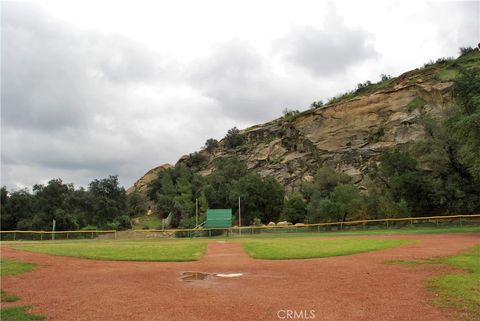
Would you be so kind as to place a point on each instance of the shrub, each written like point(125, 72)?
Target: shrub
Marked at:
point(465, 50)
point(416, 103)
point(289, 114)
point(211, 144)
point(234, 138)
point(195, 160)
point(316, 104)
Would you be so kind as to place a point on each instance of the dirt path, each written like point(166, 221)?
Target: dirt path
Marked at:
point(349, 288)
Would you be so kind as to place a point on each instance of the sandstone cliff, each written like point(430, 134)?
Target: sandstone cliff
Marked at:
point(346, 135)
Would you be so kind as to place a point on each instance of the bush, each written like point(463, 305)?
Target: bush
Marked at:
point(316, 104)
point(294, 209)
point(416, 103)
point(195, 160)
point(465, 50)
point(234, 138)
point(211, 144)
point(123, 222)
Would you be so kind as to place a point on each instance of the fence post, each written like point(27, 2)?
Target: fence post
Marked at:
point(134, 234)
point(41, 236)
point(115, 234)
point(14, 235)
point(67, 235)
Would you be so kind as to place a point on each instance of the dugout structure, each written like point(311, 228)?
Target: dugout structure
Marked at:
point(218, 218)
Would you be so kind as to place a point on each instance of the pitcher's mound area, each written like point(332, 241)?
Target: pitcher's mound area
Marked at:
point(226, 284)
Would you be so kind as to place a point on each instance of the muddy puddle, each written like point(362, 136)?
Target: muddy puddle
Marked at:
point(201, 276)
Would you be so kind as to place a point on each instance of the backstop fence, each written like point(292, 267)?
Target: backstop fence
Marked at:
point(378, 224)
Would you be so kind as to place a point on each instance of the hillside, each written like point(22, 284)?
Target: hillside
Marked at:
point(347, 134)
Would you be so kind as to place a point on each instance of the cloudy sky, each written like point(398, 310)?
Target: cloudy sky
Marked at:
point(94, 88)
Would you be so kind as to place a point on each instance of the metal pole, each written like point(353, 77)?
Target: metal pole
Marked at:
point(196, 212)
point(53, 230)
point(239, 218)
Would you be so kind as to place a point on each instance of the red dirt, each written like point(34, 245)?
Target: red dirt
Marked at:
point(348, 288)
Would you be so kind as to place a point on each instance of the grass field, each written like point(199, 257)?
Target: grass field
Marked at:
point(7, 297)
point(18, 314)
point(311, 248)
point(460, 290)
point(10, 267)
point(139, 250)
point(421, 230)
point(13, 267)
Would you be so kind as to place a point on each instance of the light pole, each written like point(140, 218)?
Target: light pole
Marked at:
point(239, 218)
point(196, 212)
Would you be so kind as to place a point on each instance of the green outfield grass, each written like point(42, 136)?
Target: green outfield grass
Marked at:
point(460, 290)
point(420, 230)
point(315, 248)
point(14, 267)
point(140, 250)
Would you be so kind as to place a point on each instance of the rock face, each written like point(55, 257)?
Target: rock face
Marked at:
point(142, 184)
point(346, 135)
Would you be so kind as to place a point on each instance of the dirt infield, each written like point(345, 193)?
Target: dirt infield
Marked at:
point(348, 288)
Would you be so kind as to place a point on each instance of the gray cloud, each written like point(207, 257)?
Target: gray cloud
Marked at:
point(462, 29)
point(328, 50)
point(68, 98)
point(243, 84)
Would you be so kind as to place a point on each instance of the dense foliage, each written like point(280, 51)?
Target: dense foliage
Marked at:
point(175, 191)
point(102, 205)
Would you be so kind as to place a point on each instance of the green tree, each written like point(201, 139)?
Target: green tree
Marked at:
point(464, 124)
point(233, 138)
point(211, 144)
point(108, 201)
point(261, 198)
point(294, 209)
point(324, 182)
point(15, 207)
point(136, 203)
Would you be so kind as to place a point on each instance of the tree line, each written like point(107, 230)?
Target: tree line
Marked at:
point(103, 205)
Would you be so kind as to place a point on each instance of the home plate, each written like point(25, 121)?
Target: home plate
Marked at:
point(228, 275)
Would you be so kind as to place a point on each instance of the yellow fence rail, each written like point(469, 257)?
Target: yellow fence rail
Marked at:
point(112, 234)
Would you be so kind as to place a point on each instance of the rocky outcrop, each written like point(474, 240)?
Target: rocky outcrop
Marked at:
point(142, 184)
point(346, 135)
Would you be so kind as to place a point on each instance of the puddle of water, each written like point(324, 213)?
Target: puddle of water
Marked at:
point(201, 276)
point(193, 276)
